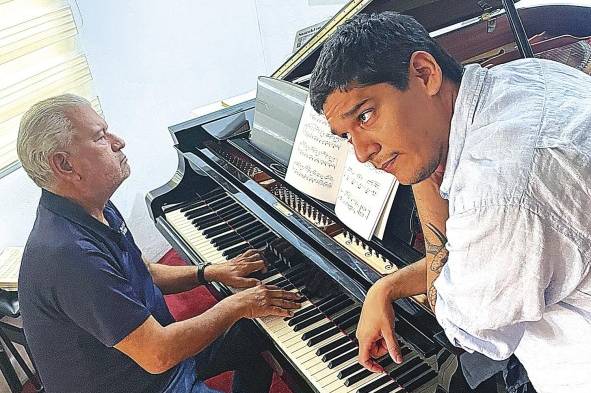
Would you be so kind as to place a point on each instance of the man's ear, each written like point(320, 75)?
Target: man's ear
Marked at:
point(424, 67)
point(61, 166)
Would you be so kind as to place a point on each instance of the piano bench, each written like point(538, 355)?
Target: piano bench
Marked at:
point(11, 331)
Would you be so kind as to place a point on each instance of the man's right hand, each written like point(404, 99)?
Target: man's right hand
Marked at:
point(265, 300)
point(375, 331)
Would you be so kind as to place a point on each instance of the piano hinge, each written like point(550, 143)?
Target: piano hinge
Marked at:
point(282, 209)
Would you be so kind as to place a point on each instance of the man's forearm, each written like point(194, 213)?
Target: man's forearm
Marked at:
point(156, 348)
point(186, 338)
point(406, 282)
point(433, 212)
point(173, 279)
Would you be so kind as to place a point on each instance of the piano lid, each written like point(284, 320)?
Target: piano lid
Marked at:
point(433, 14)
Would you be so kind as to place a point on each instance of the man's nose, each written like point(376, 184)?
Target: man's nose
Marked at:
point(364, 149)
point(117, 143)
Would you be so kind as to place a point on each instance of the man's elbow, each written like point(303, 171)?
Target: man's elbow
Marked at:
point(158, 362)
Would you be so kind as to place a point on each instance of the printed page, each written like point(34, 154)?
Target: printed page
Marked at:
point(318, 157)
point(362, 196)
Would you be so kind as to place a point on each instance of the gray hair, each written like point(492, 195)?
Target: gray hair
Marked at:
point(44, 129)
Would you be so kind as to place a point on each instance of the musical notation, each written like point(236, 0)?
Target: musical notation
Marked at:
point(311, 175)
point(317, 158)
point(362, 196)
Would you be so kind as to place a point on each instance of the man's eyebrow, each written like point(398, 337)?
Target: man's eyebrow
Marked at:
point(355, 108)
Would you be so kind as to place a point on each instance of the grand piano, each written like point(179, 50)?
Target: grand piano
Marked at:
point(229, 194)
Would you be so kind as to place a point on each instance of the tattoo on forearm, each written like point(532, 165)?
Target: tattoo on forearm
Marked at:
point(437, 254)
point(432, 295)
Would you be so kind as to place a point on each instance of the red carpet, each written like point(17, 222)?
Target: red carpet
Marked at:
point(188, 304)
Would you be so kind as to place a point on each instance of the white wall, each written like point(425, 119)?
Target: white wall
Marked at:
point(152, 63)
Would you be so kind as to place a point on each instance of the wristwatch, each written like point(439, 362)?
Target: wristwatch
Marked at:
point(201, 273)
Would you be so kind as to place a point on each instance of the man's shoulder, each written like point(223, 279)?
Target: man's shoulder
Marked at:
point(55, 246)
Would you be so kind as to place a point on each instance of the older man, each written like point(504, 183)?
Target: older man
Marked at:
point(499, 160)
point(93, 312)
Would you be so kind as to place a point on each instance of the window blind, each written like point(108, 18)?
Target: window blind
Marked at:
point(40, 57)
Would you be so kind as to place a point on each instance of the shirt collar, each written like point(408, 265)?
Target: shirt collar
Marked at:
point(72, 211)
point(471, 88)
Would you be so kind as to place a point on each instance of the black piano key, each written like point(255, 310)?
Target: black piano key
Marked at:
point(424, 345)
point(300, 282)
point(227, 243)
point(349, 370)
point(216, 230)
point(404, 350)
point(222, 239)
point(197, 211)
point(375, 384)
point(298, 319)
point(405, 367)
point(245, 220)
point(412, 374)
point(202, 223)
point(323, 336)
point(234, 252)
point(351, 313)
point(320, 302)
point(330, 346)
point(317, 330)
point(288, 287)
point(336, 308)
point(183, 207)
point(233, 249)
point(260, 243)
point(249, 231)
point(352, 376)
point(353, 379)
point(353, 320)
point(336, 300)
point(218, 204)
point(302, 274)
point(421, 380)
point(340, 351)
point(388, 388)
point(294, 270)
point(261, 240)
point(230, 207)
point(342, 359)
point(232, 212)
point(299, 326)
point(300, 312)
point(201, 210)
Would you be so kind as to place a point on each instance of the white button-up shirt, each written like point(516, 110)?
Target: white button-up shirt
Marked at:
point(518, 181)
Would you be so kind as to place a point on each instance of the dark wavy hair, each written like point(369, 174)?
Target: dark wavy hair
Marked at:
point(374, 48)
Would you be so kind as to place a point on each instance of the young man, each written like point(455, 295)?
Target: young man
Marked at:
point(94, 314)
point(499, 160)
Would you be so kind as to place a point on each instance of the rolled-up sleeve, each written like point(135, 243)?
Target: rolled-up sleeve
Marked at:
point(506, 263)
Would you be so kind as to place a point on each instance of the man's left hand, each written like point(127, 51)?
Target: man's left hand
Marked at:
point(235, 272)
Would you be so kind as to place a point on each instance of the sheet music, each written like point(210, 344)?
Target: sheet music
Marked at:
point(318, 157)
point(362, 196)
point(10, 263)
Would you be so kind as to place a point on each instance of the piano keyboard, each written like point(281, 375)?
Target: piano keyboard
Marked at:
point(217, 228)
point(320, 338)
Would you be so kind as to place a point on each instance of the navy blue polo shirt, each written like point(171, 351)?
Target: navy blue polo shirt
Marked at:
point(83, 287)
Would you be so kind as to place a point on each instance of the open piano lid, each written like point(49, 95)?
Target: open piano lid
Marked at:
point(433, 14)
